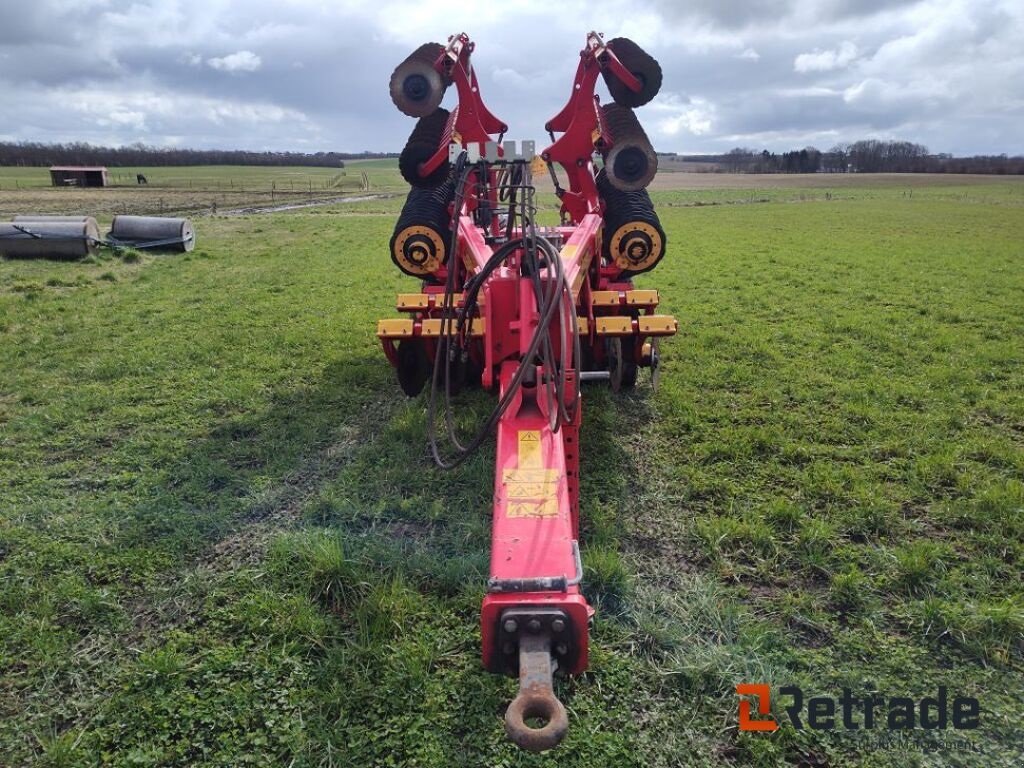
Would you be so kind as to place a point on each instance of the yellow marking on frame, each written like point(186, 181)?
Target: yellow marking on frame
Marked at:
point(413, 301)
point(539, 508)
point(642, 297)
point(529, 449)
point(657, 325)
point(397, 328)
point(431, 326)
point(604, 298)
point(614, 326)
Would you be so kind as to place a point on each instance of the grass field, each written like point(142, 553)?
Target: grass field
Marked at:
point(222, 540)
point(193, 189)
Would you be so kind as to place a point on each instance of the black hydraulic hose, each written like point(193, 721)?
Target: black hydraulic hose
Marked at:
point(549, 301)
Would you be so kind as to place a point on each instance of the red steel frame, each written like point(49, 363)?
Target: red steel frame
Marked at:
point(534, 547)
point(583, 129)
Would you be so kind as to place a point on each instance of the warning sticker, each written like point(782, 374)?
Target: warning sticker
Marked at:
point(531, 483)
point(529, 449)
point(537, 508)
point(531, 489)
point(531, 492)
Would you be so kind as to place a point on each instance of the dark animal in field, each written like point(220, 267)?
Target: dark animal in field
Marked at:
point(140, 178)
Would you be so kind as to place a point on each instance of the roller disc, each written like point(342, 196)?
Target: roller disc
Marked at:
point(631, 163)
point(413, 366)
point(629, 364)
point(424, 141)
point(633, 166)
point(634, 240)
point(636, 246)
point(419, 250)
point(419, 244)
point(652, 360)
point(613, 360)
point(417, 88)
point(415, 153)
point(655, 363)
point(644, 68)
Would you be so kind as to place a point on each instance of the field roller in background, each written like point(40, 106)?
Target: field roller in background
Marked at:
point(152, 233)
point(71, 237)
point(21, 218)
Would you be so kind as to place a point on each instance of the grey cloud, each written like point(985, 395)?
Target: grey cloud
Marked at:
point(946, 72)
point(730, 14)
point(744, 14)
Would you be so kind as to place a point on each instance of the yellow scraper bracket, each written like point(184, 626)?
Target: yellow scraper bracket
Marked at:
point(412, 301)
point(604, 298)
point(431, 327)
point(657, 325)
point(644, 298)
point(613, 326)
point(394, 329)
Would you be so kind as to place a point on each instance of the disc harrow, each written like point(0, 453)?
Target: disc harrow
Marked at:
point(529, 312)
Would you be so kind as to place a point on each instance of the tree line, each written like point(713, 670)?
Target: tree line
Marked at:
point(30, 153)
point(867, 156)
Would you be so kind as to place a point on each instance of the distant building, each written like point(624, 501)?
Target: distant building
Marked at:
point(78, 176)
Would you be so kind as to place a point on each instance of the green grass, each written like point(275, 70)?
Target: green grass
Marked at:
point(224, 176)
point(222, 539)
point(195, 190)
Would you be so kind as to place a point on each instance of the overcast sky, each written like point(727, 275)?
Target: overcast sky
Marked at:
point(306, 75)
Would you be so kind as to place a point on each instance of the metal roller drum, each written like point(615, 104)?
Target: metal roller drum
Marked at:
point(419, 245)
point(153, 232)
point(644, 68)
point(633, 238)
point(49, 239)
point(417, 88)
point(630, 162)
point(423, 142)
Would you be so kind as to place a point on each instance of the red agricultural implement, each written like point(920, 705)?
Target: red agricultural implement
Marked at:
point(530, 312)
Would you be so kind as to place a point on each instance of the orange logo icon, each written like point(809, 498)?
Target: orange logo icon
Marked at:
point(764, 707)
